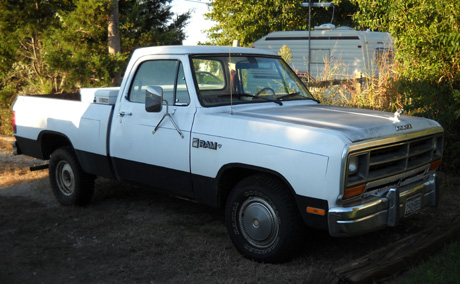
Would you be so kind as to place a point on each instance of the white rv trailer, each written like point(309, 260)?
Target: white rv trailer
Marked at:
point(336, 53)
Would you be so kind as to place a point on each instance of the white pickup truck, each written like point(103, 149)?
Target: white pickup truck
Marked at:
point(235, 128)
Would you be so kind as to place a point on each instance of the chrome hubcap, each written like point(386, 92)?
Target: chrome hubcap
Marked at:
point(65, 178)
point(258, 222)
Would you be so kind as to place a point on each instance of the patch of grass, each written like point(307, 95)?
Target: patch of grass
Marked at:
point(6, 121)
point(441, 268)
point(14, 170)
point(14, 175)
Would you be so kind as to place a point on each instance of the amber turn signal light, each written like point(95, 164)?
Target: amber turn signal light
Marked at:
point(354, 191)
point(316, 211)
point(435, 165)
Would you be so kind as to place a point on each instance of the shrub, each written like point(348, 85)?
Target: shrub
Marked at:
point(6, 122)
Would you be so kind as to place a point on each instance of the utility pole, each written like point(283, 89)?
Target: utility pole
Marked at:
point(309, 5)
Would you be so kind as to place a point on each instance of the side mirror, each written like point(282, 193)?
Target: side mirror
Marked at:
point(153, 99)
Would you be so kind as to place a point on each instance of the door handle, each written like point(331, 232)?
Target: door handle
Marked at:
point(123, 114)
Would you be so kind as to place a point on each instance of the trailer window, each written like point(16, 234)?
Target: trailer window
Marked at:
point(320, 56)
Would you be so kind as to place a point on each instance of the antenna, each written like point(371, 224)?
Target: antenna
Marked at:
point(333, 10)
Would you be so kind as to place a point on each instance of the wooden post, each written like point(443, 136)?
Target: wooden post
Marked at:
point(389, 261)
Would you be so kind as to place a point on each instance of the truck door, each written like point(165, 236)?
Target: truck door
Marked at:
point(140, 155)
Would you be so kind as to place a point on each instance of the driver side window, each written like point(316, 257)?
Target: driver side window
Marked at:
point(167, 74)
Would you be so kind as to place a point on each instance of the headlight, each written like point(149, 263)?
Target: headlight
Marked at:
point(353, 163)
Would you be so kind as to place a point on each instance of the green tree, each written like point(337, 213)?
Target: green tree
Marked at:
point(427, 41)
point(54, 46)
point(150, 22)
point(249, 20)
point(427, 35)
point(77, 49)
point(60, 45)
point(22, 57)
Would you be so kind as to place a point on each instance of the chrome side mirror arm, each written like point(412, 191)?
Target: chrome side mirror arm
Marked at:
point(170, 118)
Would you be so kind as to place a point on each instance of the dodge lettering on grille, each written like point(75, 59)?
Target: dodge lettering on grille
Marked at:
point(403, 127)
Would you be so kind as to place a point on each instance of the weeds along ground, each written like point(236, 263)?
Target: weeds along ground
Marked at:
point(375, 89)
point(6, 121)
point(16, 169)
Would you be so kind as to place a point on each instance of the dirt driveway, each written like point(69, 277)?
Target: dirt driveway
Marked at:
point(130, 235)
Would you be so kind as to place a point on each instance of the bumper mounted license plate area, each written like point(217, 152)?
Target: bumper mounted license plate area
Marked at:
point(413, 205)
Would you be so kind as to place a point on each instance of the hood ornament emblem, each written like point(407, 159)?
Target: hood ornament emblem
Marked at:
point(399, 112)
point(396, 115)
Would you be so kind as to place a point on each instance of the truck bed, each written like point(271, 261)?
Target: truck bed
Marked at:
point(85, 124)
point(63, 96)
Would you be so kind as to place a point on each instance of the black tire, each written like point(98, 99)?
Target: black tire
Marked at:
point(71, 186)
point(262, 219)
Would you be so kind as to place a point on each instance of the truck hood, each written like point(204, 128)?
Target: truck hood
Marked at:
point(355, 124)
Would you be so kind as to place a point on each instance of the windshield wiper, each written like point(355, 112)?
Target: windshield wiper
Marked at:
point(276, 101)
point(297, 94)
point(289, 95)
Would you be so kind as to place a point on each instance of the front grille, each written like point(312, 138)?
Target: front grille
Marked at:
point(392, 159)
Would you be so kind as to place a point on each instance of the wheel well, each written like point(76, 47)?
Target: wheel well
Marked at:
point(231, 175)
point(52, 141)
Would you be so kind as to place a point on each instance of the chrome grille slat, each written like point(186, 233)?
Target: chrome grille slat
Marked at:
point(393, 159)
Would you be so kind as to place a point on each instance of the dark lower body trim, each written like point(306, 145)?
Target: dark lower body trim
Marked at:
point(29, 147)
point(310, 219)
point(95, 164)
point(164, 179)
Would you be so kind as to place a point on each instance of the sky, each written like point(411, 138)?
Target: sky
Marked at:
point(197, 23)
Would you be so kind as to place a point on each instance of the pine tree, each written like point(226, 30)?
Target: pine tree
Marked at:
point(22, 57)
point(150, 22)
point(53, 46)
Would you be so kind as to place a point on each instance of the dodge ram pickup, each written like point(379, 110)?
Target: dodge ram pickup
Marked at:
point(235, 128)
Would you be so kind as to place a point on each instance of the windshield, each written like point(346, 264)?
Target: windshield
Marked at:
point(225, 80)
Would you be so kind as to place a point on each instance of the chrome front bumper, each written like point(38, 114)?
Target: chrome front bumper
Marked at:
point(380, 212)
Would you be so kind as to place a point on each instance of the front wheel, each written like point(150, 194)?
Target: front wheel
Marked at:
point(262, 219)
point(70, 184)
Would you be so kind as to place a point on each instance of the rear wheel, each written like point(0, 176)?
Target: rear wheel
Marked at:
point(70, 184)
point(262, 219)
